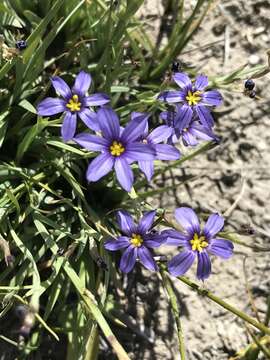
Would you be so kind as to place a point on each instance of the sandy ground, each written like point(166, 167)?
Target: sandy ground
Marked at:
point(235, 171)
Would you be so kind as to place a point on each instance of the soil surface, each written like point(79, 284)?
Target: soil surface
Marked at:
point(233, 179)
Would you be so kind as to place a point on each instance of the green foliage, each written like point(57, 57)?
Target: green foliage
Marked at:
point(52, 220)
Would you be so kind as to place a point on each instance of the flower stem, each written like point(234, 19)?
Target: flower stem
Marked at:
point(225, 305)
point(267, 317)
point(175, 310)
point(230, 236)
point(200, 149)
point(175, 164)
point(260, 346)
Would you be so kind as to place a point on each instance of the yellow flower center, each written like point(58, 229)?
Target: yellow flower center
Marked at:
point(193, 97)
point(74, 104)
point(117, 148)
point(136, 240)
point(198, 243)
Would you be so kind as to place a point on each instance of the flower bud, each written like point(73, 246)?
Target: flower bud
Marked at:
point(249, 84)
point(175, 66)
point(21, 44)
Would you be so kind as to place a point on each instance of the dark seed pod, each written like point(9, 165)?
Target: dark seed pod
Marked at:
point(21, 44)
point(175, 66)
point(252, 94)
point(249, 84)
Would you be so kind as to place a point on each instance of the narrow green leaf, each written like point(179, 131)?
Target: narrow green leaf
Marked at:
point(34, 38)
point(30, 137)
point(86, 296)
point(14, 201)
point(46, 42)
point(25, 104)
point(66, 147)
point(54, 295)
point(119, 88)
point(32, 17)
point(3, 126)
point(65, 172)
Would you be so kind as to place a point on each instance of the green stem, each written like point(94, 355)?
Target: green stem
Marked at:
point(225, 305)
point(92, 344)
point(267, 317)
point(259, 345)
point(206, 146)
point(37, 316)
point(175, 310)
point(201, 149)
point(230, 236)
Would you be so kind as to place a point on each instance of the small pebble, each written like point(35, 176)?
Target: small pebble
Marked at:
point(257, 114)
point(254, 59)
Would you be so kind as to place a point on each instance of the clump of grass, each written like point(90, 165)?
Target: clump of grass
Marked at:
point(54, 267)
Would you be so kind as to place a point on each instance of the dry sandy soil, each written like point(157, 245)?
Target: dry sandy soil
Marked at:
point(233, 178)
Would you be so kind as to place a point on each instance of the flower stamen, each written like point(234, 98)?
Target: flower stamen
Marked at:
point(116, 148)
point(74, 104)
point(136, 240)
point(193, 97)
point(198, 243)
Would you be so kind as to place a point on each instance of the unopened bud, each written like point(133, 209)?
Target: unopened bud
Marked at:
point(249, 84)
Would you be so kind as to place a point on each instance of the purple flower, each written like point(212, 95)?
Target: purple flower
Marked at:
point(197, 242)
point(194, 99)
point(162, 151)
point(118, 147)
point(189, 135)
point(136, 241)
point(75, 102)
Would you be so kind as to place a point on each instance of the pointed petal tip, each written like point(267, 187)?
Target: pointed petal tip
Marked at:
point(146, 221)
point(213, 225)
point(188, 219)
point(125, 222)
point(61, 87)
point(82, 83)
